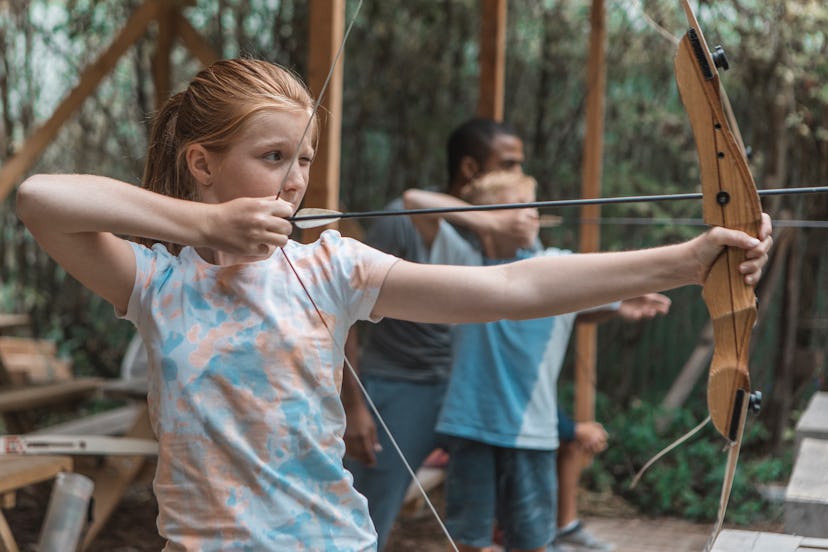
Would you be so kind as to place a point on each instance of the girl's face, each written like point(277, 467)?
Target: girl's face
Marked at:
point(257, 162)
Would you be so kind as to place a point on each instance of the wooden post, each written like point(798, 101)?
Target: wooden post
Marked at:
point(14, 169)
point(327, 24)
point(591, 169)
point(194, 42)
point(492, 58)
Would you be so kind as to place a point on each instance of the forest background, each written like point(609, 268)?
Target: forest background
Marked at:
point(411, 75)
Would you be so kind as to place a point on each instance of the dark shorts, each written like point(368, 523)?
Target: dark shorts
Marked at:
point(518, 487)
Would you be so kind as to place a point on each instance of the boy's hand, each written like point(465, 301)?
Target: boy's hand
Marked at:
point(247, 226)
point(591, 436)
point(519, 225)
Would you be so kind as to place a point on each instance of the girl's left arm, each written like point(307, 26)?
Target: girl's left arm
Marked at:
point(546, 286)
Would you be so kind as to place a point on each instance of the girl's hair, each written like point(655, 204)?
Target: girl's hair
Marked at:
point(211, 112)
point(488, 189)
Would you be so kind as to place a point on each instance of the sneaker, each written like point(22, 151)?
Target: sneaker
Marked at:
point(581, 539)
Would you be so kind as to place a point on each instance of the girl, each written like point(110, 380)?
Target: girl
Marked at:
point(245, 364)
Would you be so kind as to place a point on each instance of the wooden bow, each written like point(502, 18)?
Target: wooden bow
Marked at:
point(730, 200)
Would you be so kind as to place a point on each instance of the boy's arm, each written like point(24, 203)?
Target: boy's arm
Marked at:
point(643, 307)
point(512, 223)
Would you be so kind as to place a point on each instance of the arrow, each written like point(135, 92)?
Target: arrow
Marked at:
point(312, 217)
point(76, 444)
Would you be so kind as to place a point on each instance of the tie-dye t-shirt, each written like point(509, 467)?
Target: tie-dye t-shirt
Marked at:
point(244, 384)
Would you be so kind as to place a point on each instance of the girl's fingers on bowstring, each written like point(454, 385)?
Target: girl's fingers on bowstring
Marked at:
point(279, 210)
point(249, 226)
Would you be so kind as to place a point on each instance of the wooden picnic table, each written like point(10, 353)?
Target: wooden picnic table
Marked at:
point(23, 361)
point(113, 478)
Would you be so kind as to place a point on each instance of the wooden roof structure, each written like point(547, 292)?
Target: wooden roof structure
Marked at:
point(327, 21)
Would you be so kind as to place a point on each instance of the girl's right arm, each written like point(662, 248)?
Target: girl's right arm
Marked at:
point(77, 220)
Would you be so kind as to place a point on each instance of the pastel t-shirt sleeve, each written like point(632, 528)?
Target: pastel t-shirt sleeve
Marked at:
point(150, 264)
point(354, 271)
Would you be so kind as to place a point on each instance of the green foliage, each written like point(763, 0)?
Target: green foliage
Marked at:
point(687, 481)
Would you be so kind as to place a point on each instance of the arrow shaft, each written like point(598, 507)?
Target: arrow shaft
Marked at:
point(541, 204)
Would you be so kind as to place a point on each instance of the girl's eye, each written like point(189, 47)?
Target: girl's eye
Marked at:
point(273, 156)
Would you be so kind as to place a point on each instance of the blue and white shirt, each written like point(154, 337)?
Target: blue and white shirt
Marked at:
point(503, 386)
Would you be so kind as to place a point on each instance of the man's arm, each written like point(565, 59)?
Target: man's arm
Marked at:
point(643, 307)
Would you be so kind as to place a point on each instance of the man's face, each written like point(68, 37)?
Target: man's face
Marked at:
point(506, 155)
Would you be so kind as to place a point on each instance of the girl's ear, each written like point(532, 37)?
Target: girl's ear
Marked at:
point(198, 162)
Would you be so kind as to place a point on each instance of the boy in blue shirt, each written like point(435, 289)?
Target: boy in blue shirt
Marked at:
point(500, 410)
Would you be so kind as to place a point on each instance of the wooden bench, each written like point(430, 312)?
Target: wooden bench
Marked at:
point(731, 540)
point(814, 421)
point(113, 422)
point(806, 497)
point(32, 377)
point(29, 361)
point(17, 472)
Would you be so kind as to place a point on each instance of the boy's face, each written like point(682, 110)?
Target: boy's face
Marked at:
point(506, 155)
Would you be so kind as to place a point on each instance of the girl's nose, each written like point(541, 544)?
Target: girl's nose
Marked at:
point(296, 179)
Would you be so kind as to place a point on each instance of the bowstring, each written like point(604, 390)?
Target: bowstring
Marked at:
point(375, 410)
point(336, 343)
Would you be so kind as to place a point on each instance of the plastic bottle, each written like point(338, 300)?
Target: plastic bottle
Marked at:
point(66, 514)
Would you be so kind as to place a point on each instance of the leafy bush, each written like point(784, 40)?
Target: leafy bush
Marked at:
point(688, 480)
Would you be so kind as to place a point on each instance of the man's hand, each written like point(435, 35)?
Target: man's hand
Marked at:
point(361, 434)
point(644, 307)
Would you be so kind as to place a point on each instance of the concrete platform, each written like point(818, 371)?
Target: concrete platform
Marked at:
point(814, 421)
point(731, 540)
point(806, 498)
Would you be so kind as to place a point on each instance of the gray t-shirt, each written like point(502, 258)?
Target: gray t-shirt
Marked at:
point(398, 349)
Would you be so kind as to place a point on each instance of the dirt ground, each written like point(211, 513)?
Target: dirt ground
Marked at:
point(132, 526)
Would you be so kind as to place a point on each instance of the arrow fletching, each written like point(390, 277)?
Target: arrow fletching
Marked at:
point(316, 212)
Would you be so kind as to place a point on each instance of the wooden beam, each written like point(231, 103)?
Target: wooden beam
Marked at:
point(327, 24)
point(14, 169)
point(161, 62)
point(492, 59)
point(194, 42)
point(591, 172)
point(37, 396)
